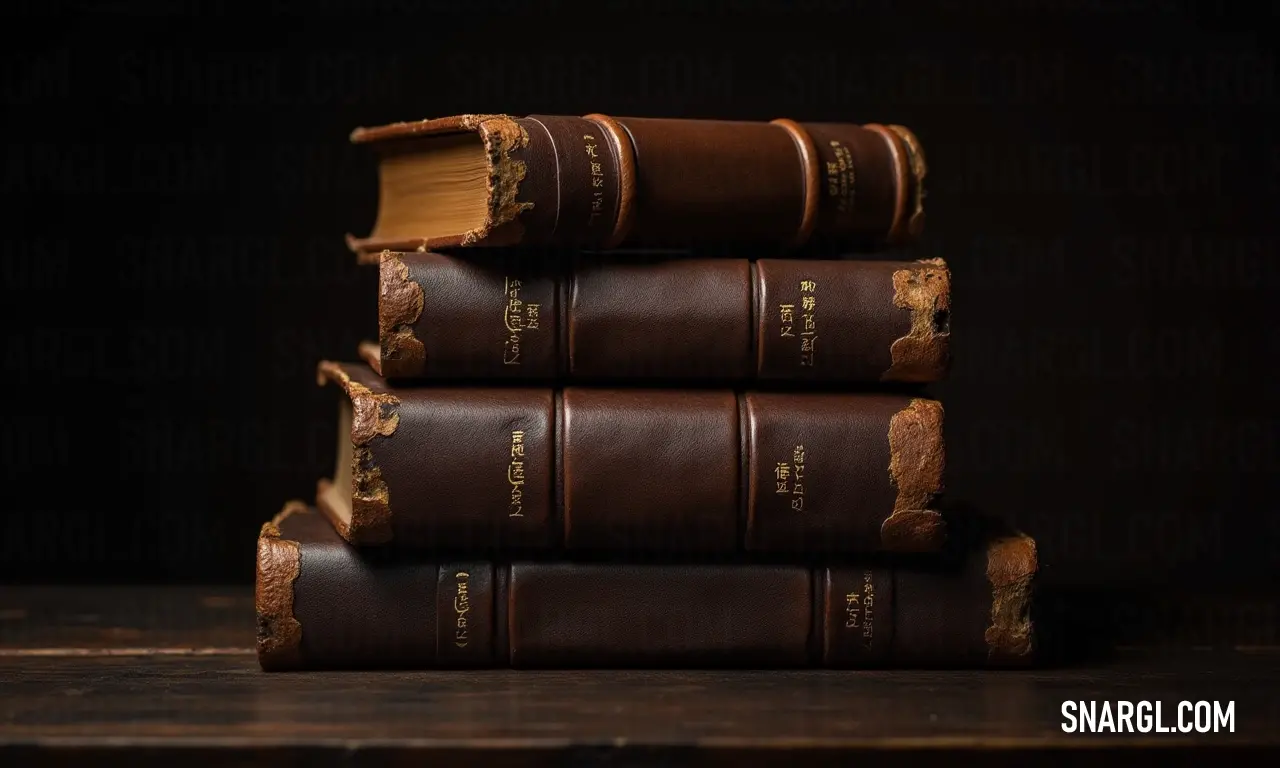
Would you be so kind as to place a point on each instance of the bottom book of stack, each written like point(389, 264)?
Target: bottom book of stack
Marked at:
point(323, 604)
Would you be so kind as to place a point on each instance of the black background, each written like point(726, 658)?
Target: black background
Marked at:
point(1103, 175)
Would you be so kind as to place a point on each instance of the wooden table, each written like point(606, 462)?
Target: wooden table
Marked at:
point(168, 676)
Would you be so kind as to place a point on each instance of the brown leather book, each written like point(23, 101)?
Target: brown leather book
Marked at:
point(635, 470)
point(324, 604)
point(503, 315)
point(604, 182)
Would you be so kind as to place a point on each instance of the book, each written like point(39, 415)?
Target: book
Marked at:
point(605, 182)
point(632, 470)
point(503, 315)
point(322, 603)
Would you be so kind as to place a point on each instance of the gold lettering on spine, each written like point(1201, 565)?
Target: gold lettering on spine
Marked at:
point(789, 478)
point(797, 487)
point(806, 319)
point(461, 607)
point(808, 322)
point(518, 316)
point(787, 320)
point(859, 609)
point(515, 474)
point(840, 177)
point(597, 177)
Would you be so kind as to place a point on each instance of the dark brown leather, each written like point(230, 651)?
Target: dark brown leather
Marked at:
point(827, 321)
point(495, 315)
point(356, 610)
point(655, 319)
point(605, 182)
point(650, 470)
point(860, 183)
point(716, 180)
point(858, 612)
point(451, 466)
point(646, 470)
point(947, 626)
point(575, 614)
point(817, 468)
point(584, 161)
point(498, 314)
point(464, 614)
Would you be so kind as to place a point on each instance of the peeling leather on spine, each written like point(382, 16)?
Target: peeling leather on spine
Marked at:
point(917, 458)
point(913, 530)
point(922, 355)
point(502, 136)
point(915, 219)
point(1012, 563)
point(279, 563)
point(400, 303)
point(373, 415)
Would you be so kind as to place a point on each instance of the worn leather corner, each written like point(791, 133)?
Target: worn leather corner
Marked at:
point(373, 416)
point(917, 454)
point(400, 303)
point(374, 413)
point(279, 563)
point(425, 127)
point(1012, 563)
point(919, 168)
point(502, 137)
point(913, 530)
point(923, 355)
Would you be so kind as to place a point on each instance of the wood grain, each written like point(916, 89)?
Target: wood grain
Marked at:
point(125, 620)
point(81, 680)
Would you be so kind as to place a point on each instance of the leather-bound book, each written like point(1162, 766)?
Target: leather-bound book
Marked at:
point(605, 182)
point(324, 604)
point(633, 470)
point(503, 315)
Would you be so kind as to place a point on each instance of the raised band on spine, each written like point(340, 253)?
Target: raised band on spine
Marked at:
point(812, 177)
point(626, 157)
point(901, 179)
point(918, 170)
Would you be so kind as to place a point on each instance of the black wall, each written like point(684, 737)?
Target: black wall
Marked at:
point(1103, 176)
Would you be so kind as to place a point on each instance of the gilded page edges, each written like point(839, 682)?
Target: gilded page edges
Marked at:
point(1012, 563)
point(924, 354)
point(503, 137)
point(917, 460)
point(373, 415)
point(279, 563)
point(400, 303)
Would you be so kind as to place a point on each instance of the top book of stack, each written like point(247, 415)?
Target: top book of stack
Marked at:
point(601, 183)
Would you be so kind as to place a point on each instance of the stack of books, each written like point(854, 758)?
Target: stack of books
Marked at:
point(636, 400)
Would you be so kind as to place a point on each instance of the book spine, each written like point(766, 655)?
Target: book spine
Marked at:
point(323, 604)
point(593, 469)
point(604, 182)
point(502, 315)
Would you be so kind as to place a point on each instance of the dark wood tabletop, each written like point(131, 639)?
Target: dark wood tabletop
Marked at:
point(158, 675)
